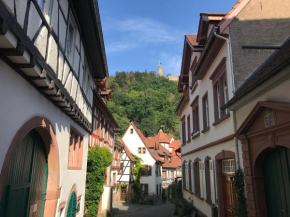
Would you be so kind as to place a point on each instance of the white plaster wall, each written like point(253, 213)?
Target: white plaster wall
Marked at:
point(223, 129)
point(133, 141)
point(25, 102)
point(211, 152)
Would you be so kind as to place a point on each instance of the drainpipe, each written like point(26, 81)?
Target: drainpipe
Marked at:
point(229, 48)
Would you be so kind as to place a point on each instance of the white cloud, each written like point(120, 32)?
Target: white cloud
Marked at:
point(139, 32)
point(171, 63)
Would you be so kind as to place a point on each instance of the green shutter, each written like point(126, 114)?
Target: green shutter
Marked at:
point(72, 206)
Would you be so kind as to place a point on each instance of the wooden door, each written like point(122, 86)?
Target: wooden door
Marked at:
point(228, 194)
point(277, 183)
point(25, 190)
point(123, 193)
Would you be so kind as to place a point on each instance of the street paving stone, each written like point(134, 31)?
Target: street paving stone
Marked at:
point(141, 210)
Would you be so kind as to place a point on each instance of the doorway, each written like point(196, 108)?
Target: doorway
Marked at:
point(24, 192)
point(276, 171)
point(123, 193)
point(228, 169)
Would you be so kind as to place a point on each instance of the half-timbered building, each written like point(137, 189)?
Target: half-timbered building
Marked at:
point(215, 63)
point(125, 176)
point(51, 53)
point(103, 135)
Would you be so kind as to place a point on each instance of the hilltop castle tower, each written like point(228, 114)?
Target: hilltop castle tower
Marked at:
point(160, 70)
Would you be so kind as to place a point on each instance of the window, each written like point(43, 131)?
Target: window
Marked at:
point(188, 128)
point(144, 189)
point(146, 170)
point(220, 90)
point(205, 112)
point(156, 189)
point(209, 180)
point(192, 172)
point(75, 151)
point(228, 166)
point(70, 44)
point(183, 132)
point(196, 175)
point(202, 183)
point(131, 131)
point(195, 120)
point(141, 150)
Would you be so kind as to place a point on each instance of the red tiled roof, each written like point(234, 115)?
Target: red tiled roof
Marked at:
point(174, 163)
point(129, 154)
point(162, 137)
point(192, 39)
point(146, 143)
point(175, 144)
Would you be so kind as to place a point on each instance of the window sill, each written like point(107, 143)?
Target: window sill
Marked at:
point(221, 119)
point(205, 129)
point(195, 135)
point(74, 168)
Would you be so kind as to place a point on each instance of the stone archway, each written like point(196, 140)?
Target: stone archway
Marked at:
point(266, 129)
point(45, 129)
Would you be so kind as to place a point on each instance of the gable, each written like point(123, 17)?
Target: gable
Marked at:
point(265, 115)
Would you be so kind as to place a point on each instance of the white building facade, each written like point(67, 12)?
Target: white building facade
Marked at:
point(151, 180)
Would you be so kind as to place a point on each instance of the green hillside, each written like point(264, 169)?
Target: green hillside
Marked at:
point(147, 100)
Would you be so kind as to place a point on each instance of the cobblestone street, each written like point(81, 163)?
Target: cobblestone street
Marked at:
point(141, 210)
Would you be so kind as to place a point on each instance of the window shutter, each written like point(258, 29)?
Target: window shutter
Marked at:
point(192, 177)
point(212, 181)
point(200, 179)
point(186, 176)
point(203, 180)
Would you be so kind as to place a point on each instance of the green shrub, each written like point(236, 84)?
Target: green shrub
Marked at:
point(136, 193)
point(98, 160)
point(240, 206)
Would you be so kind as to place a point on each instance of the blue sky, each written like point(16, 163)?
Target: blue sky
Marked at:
point(140, 33)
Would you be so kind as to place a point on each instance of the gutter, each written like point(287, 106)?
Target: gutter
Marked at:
point(233, 91)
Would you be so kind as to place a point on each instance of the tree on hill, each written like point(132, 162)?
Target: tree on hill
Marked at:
point(147, 100)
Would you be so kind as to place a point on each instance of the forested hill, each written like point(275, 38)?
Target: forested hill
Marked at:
point(147, 100)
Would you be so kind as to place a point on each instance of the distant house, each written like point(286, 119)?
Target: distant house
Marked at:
point(154, 152)
point(138, 144)
point(125, 176)
point(171, 169)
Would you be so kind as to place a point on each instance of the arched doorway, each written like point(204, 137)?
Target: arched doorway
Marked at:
point(276, 171)
point(24, 192)
point(44, 128)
